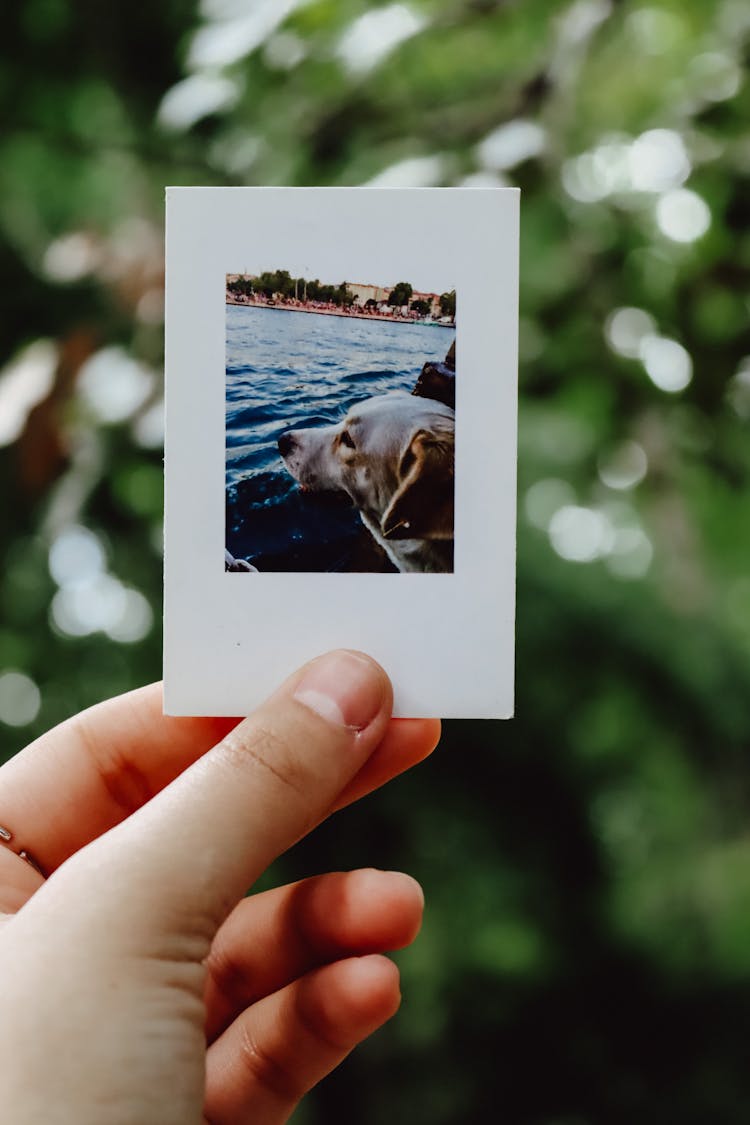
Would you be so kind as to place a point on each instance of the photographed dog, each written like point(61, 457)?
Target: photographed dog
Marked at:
point(394, 456)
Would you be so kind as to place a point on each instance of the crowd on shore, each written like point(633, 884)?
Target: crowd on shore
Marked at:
point(369, 311)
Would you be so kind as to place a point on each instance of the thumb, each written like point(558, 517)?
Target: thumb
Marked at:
point(181, 863)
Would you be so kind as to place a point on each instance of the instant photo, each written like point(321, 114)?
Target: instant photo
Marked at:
point(340, 425)
point(340, 442)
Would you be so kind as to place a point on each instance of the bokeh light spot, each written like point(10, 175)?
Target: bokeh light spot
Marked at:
point(626, 328)
point(235, 32)
point(714, 76)
point(23, 383)
point(668, 365)
point(135, 620)
point(593, 176)
point(71, 257)
point(656, 30)
point(20, 699)
point(580, 534)
point(89, 607)
point(417, 171)
point(738, 392)
point(235, 151)
point(546, 497)
point(374, 35)
point(511, 144)
point(580, 19)
point(623, 467)
point(658, 160)
point(284, 51)
point(76, 556)
point(196, 97)
point(632, 553)
point(148, 427)
point(114, 385)
point(682, 215)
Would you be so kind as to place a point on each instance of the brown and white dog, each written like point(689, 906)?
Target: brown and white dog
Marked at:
point(394, 456)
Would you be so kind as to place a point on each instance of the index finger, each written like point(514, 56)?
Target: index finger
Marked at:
point(86, 775)
point(184, 859)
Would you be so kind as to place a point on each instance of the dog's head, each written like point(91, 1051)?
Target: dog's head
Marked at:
point(393, 455)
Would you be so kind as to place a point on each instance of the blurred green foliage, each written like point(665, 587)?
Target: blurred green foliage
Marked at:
point(586, 950)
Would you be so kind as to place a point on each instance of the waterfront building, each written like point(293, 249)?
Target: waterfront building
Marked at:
point(365, 293)
point(432, 299)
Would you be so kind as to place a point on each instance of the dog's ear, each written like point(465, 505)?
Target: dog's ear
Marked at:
point(422, 507)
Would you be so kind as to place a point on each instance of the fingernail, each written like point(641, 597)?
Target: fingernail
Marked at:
point(343, 688)
point(407, 882)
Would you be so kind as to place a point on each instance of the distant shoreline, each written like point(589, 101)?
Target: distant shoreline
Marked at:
point(335, 312)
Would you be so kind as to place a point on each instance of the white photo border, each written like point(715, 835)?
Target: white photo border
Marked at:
point(446, 640)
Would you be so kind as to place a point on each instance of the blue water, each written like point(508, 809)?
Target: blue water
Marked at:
point(288, 370)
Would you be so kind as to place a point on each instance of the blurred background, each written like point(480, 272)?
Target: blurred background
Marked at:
point(585, 957)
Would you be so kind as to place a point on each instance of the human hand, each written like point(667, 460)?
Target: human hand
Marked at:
point(138, 986)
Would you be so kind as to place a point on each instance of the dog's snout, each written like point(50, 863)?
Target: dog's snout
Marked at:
point(286, 443)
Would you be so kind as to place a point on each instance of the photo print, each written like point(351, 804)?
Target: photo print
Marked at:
point(340, 425)
point(340, 442)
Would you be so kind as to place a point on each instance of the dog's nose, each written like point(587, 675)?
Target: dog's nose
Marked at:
point(286, 443)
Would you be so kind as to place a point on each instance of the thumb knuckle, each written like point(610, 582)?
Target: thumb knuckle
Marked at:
point(264, 748)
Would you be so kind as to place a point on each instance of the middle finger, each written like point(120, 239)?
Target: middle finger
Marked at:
point(273, 938)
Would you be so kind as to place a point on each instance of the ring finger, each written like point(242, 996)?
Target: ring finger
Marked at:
point(272, 1054)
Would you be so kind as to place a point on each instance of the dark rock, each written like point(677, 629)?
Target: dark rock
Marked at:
point(437, 381)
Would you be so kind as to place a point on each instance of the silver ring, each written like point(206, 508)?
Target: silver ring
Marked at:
point(5, 838)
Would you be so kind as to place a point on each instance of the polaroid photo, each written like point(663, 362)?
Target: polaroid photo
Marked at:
point(341, 372)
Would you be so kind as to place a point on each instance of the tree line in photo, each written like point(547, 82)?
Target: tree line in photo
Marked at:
point(280, 283)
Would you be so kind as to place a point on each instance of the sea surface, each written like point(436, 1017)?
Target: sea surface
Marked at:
point(290, 370)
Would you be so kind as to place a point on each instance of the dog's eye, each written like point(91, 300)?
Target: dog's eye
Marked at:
point(346, 439)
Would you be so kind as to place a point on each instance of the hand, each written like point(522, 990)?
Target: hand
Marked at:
point(137, 986)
